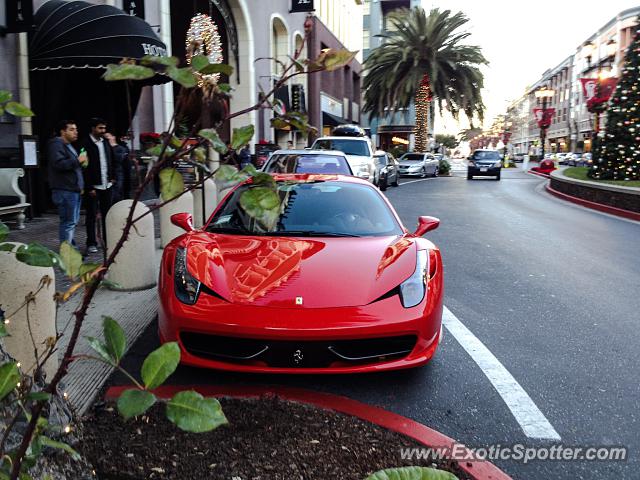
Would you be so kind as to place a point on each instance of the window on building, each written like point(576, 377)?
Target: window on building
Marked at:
point(366, 22)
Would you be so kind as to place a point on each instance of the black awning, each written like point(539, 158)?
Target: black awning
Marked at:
point(332, 120)
point(78, 34)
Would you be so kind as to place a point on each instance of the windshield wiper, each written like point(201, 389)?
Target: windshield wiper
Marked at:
point(310, 233)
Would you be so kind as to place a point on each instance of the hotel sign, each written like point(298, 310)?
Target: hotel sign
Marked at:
point(301, 6)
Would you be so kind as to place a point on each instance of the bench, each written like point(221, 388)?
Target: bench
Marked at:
point(12, 200)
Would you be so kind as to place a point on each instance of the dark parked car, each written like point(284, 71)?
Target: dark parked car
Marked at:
point(308, 161)
point(386, 170)
point(484, 163)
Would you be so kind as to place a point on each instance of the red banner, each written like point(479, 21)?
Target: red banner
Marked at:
point(596, 92)
point(544, 116)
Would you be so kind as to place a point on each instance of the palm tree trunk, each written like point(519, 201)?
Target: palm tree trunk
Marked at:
point(423, 100)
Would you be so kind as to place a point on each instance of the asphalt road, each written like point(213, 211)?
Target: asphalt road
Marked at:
point(552, 290)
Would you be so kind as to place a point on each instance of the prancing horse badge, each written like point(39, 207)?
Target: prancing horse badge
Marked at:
point(298, 300)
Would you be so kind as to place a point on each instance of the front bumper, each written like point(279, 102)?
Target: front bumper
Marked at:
point(490, 171)
point(409, 173)
point(219, 335)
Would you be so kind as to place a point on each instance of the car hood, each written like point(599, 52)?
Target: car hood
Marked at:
point(287, 272)
point(411, 164)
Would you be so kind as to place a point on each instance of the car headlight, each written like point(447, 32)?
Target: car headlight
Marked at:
point(412, 290)
point(187, 288)
point(471, 163)
point(498, 164)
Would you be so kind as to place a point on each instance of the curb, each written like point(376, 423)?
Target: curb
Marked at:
point(619, 212)
point(479, 470)
point(539, 174)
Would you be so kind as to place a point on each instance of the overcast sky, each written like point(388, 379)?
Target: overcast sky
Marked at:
point(522, 39)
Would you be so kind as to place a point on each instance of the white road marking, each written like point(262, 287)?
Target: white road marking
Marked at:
point(414, 181)
point(527, 414)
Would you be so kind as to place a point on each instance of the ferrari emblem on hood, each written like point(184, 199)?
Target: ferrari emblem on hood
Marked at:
point(298, 300)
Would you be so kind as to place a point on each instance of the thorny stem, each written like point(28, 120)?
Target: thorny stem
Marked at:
point(90, 291)
point(33, 340)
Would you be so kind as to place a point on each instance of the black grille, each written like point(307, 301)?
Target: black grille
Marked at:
point(297, 354)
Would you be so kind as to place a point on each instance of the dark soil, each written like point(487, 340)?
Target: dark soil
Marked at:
point(266, 439)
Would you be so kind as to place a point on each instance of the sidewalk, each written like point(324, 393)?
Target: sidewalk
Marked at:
point(132, 310)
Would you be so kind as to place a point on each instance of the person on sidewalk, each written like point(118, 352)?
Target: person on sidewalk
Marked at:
point(121, 167)
point(245, 156)
point(65, 177)
point(98, 179)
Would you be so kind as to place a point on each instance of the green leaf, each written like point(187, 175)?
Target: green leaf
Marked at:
point(9, 378)
point(18, 110)
point(241, 136)
point(115, 340)
point(224, 87)
point(227, 176)
point(299, 66)
point(134, 402)
point(5, 96)
point(47, 442)
point(217, 68)
point(171, 183)
point(191, 412)
point(100, 348)
point(153, 60)
point(7, 247)
point(213, 137)
point(127, 71)
point(263, 204)
point(157, 151)
point(3, 328)
point(87, 268)
point(412, 473)
point(199, 62)
point(36, 255)
point(1, 113)
point(159, 364)
point(175, 142)
point(250, 170)
point(263, 179)
point(71, 259)
point(110, 284)
point(200, 155)
point(279, 123)
point(39, 396)
point(4, 231)
point(183, 76)
point(336, 59)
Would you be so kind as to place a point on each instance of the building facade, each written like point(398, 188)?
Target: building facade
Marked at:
point(252, 35)
point(398, 129)
point(572, 128)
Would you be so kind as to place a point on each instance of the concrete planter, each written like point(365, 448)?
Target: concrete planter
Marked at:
point(625, 198)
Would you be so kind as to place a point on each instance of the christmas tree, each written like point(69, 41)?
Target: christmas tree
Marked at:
point(617, 156)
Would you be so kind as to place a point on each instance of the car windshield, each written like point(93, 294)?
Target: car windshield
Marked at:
point(308, 163)
point(480, 155)
point(312, 209)
point(347, 146)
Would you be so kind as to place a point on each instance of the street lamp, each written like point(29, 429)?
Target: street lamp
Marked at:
point(543, 94)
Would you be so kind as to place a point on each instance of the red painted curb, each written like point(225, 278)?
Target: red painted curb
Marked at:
point(479, 470)
point(539, 174)
point(620, 212)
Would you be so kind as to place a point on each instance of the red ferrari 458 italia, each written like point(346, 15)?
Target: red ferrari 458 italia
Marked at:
point(338, 285)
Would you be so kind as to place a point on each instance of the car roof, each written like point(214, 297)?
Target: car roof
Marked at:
point(309, 152)
point(485, 150)
point(338, 137)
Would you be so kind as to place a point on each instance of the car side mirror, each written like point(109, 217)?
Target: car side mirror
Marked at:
point(183, 220)
point(426, 224)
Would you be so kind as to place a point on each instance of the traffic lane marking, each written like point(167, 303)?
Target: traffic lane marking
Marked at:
point(532, 421)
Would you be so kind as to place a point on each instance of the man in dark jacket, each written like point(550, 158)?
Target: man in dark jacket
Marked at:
point(65, 177)
point(99, 179)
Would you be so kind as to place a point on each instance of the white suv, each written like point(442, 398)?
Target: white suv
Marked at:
point(358, 150)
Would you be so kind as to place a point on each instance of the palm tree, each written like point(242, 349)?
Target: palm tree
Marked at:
point(422, 58)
